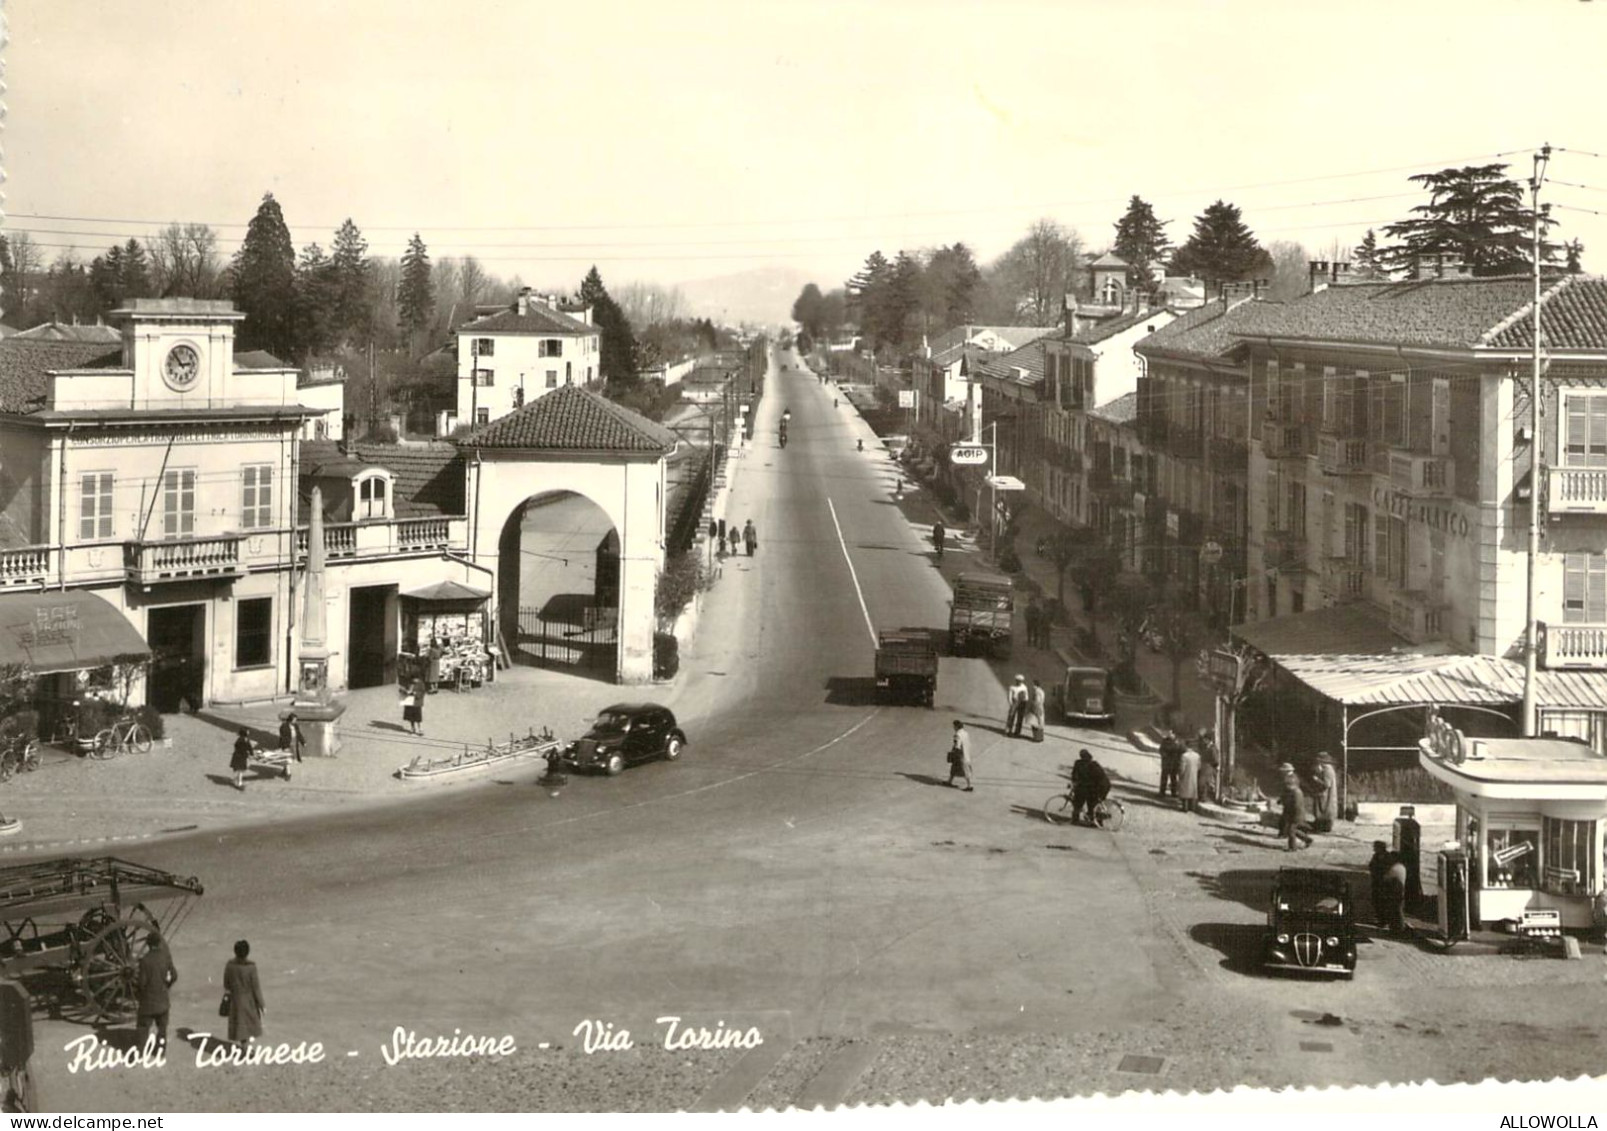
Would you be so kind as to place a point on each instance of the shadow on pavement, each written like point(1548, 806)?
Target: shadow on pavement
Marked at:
point(852, 691)
point(923, 779)
point(1239, 944)
point(386, 724)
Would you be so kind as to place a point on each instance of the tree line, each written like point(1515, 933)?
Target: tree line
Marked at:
point(1474, 218)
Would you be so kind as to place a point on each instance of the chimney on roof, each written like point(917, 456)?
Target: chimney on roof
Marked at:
point(522, 303)
point(1337, 270)
point(1315, 270)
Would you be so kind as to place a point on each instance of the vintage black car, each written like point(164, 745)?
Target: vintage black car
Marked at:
point(1311, 923)
point(625, 734)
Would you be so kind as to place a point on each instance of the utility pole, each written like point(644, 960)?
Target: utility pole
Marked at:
point(1530, 643)
point(373, 392)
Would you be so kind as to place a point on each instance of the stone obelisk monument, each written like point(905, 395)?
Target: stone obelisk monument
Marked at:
point(316, 708)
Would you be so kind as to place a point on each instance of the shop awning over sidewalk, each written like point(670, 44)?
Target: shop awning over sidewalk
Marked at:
point(66, 631)
point(1344, 630)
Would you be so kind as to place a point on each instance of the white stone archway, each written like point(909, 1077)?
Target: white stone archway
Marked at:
point(629, 490)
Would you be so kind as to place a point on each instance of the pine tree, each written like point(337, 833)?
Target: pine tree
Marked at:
point(1475, 217)
point(316, 289)
point(106, 278)
point(264, 283)
point(868, 298)
point(352, 284)
point(1574, 251)
point(416, 297)
point(964, 280)
point(136, 271)
point(1365, 259)
point(1221, 249)
point(1141, 241)
point(617, 357)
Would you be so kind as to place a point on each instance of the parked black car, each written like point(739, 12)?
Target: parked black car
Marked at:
point(625, 734)
point(1311, 923)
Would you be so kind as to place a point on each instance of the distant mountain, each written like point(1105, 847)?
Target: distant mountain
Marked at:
point(763, 294)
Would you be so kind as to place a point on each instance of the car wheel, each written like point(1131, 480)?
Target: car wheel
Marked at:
point(615, 765)
point(672, 748)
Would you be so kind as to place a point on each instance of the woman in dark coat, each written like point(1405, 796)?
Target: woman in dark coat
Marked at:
point(245, 994)
point(240, 760)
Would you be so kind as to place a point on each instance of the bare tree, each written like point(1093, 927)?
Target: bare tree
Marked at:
point(1291, 269)
point(1040, 269)
point(647, 304)
point(185, 261)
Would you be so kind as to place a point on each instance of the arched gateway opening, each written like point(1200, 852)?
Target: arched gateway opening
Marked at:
point(558, 584)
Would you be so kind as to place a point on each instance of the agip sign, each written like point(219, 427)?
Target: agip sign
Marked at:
point(968, 454)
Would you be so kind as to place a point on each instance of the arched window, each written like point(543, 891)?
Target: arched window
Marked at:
point(373, 497)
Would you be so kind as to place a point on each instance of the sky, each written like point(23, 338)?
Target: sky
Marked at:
point(667, 142)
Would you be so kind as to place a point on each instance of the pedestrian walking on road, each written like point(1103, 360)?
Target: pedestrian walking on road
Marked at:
point(240, 758)
point(1325, 802)
point(154, 974)
point(1292, 815)
point(291, 739)
point(1017, 710)
point(721, 538)
point(242, 991)
point(1188, 780)
point(750, 536)
point(938, 536)
point(960, 755)
point(1035, 711)
point(413, 706)
point(736, 539)
point(1171, 761)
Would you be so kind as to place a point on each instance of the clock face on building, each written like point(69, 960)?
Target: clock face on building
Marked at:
point(182, 368)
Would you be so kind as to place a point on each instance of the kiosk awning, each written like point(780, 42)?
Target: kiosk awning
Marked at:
point(63, 632)
point(447, 591)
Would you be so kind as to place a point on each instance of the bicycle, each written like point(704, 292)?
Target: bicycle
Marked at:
point(20, 757)
point(119, 738)
point(1109, 813)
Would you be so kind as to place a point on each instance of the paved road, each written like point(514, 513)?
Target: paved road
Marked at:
point(801, 870)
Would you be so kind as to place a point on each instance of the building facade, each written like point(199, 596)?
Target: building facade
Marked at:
point(513, 357)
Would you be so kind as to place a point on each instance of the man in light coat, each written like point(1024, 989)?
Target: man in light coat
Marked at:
point(1035, 711)
point(1188, 780)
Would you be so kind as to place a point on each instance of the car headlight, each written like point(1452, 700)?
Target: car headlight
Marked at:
point(1283, 940)
point(1332, 940)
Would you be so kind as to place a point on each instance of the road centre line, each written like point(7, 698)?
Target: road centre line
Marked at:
point(852, 573)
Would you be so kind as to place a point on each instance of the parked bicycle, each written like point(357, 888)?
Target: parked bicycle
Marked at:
point(122, 736)
point(21, 756)
point(1109, 814)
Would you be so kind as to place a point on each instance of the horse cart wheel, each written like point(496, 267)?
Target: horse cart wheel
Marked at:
point(108, 969)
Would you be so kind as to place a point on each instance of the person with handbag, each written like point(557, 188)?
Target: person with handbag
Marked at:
point(960, 755)
point(242, 1000)
point(413, 706)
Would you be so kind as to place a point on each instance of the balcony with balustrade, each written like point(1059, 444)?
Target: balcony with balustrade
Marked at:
point(182, 559)
point(1422, 476)
point(1576, 490)
point(1285, 441)
point(1342, 455)
point(1573, 645)
point(25, 567)
point(380, 538)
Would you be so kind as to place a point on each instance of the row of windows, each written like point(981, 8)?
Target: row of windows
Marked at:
point(177, 498)
point(545, 347)
point(486, 378)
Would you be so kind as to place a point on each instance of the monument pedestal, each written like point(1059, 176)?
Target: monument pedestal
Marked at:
point(318, 726)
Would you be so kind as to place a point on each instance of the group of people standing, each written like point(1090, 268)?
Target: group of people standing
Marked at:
point(738, 536)
point(242, 1001)
point(1040, 619)
point(1025, 708)
point(1184, 771)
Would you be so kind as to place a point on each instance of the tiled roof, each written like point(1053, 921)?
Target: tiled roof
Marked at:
point(257, 359)
point(1209, 330)
point(1110, 259)
point(63, 332)
point(427, 478)
point(537, 319)
point(571, 418)
point(1436, 312)
point(1029, 357)
point(24, 363)
point(1573, 315)
point(1013, 336)
point(1122, 410)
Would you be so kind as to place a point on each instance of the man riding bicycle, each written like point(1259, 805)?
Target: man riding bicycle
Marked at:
point(1090, 785)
